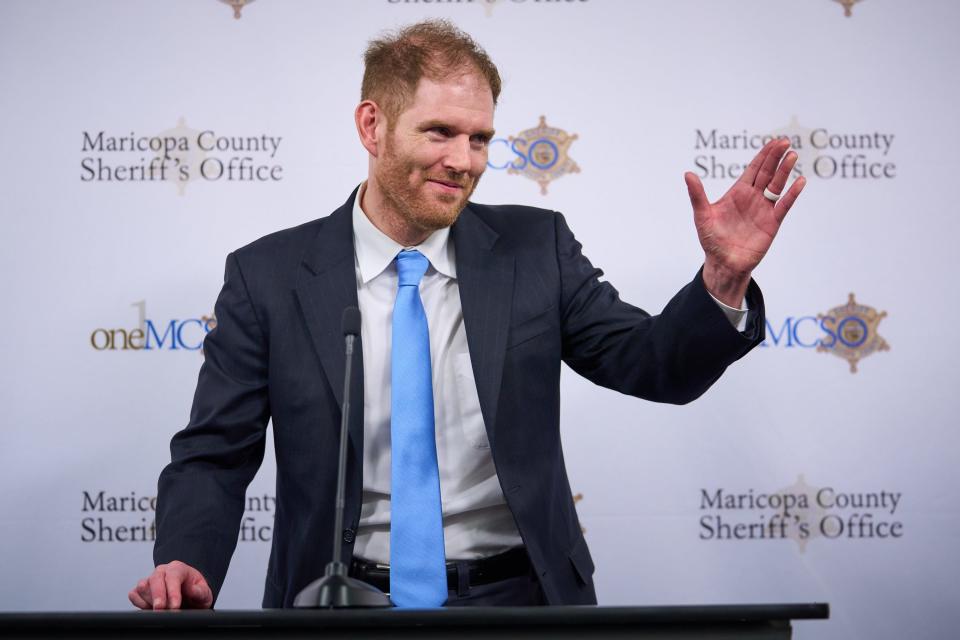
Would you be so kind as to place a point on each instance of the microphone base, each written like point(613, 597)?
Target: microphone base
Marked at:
point(336, 590)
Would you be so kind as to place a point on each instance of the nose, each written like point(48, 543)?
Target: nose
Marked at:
point(457, 158)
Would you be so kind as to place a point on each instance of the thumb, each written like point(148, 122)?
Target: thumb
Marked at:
point(698, 198)
point(198, 591)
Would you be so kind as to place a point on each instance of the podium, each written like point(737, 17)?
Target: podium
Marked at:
point(727, 622)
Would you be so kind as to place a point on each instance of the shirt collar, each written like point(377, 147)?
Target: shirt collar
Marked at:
point(375, 250)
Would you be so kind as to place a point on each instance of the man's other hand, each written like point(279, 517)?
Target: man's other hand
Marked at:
point(172, 586)
point(737, 230)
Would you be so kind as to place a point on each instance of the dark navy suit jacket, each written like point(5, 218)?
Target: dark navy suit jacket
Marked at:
point(530, 301)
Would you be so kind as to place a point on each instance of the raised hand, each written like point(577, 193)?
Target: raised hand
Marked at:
point(172, 586)
point(737, 230)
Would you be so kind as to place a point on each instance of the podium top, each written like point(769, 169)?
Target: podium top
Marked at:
point(484, 617)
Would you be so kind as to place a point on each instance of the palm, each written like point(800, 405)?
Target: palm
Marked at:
point(737, 230)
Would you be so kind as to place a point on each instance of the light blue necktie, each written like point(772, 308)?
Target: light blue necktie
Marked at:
point(418, 576)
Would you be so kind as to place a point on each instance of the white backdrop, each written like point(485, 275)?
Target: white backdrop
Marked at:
point(864, 462)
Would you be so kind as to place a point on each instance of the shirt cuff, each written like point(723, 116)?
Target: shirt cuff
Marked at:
point(737, 317)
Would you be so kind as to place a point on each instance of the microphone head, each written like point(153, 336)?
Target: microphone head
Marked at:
point(351, 321)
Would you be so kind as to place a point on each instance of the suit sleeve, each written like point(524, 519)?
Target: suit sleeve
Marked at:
point(201, 492)
point(672, 357)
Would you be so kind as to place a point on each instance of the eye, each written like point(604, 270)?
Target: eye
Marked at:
point(441, 132)
point(480, 140)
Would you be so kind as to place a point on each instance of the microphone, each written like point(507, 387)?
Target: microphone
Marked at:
point(335, 589)
point(351, 326)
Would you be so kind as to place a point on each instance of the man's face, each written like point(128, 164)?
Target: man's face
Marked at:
point(436, 152)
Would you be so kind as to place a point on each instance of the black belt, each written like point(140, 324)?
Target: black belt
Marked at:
point(508, 564)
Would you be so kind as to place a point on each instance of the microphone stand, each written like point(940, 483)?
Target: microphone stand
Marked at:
point(336, 590)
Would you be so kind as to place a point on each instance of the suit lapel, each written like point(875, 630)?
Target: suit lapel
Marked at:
point(485, 278)
point(327, 287)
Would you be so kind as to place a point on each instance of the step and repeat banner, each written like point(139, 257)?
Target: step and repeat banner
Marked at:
point(144, 140)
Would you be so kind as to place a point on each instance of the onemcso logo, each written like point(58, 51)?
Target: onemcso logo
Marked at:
point(150, 335)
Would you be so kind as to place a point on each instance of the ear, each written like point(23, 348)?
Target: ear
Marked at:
point(371, 125)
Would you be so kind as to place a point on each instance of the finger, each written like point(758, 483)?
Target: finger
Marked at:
point(698, 198)
point(749, 176)
point(174, 581)
point(137, 600)
point(783, 172)
point(158, 589)
point(784, 204)
point(770, 163)
point(143, 590)
point(199, 593)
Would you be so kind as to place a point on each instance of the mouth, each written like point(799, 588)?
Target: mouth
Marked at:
point(447, 186)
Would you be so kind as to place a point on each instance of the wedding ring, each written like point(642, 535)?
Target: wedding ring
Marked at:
point(770, 195)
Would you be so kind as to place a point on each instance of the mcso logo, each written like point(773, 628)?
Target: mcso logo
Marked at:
point(848, 331)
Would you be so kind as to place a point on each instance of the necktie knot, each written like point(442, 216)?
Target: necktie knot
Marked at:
point(411, 265)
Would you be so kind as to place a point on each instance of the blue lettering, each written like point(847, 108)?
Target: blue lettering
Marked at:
point(498, 141)
point(854, 337)
point(827, 343)
point(546, 157)
point(171, 332)
point(795, 332)
point(196, 321)
point(520, 155)
point(776, 337)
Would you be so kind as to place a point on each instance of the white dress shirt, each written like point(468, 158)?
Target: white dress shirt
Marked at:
point(476, 520)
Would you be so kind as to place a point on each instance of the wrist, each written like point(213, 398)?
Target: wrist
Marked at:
point(725, 284)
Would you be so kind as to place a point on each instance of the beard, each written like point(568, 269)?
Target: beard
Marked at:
point(412, 202)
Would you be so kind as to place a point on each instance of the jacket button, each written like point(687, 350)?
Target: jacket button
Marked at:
point(349, 535)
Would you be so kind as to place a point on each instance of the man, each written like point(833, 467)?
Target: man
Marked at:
point(502, 295)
